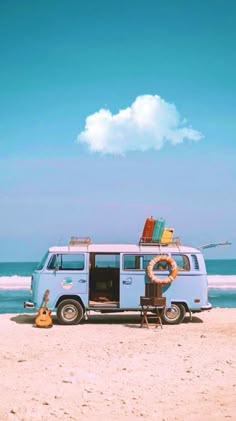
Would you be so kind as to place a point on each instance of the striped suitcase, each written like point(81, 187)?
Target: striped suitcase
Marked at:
point(148, 230)
point(158, 229)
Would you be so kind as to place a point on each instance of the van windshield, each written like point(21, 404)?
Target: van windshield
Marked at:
point(42, 263)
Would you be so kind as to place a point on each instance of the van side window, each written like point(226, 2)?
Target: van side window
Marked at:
point(146, 259)
point(195, 262)
point(138, 262)
point(182, 261)
point(107, 260)
point(131, 262)
point(67, 262)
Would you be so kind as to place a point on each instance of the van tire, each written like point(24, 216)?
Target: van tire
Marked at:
point(69, 312)
point(174, 314)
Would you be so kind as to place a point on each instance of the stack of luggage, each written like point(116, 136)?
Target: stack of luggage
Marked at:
point(154, 231)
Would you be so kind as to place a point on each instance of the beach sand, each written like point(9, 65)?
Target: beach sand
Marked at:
point(109, 369)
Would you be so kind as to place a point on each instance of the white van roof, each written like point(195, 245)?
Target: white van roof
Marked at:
point(124, 248)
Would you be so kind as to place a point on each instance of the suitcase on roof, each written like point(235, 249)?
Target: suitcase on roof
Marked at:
point(158, 229)
point(167, 235)
point(148, 230)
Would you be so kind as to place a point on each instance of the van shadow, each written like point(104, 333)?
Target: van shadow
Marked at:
point(128, 320)
point(92, 319)
point(120, 319)
point(194, 319)
point(152, 322)
point(29, 319)
point(24, 318)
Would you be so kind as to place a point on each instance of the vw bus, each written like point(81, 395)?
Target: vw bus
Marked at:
point(108, 278)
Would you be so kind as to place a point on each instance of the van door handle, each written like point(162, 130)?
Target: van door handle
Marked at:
point(82, 281)
point(128, 281)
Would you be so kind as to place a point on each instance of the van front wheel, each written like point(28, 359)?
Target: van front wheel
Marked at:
point(174, 314)
point(69, 312)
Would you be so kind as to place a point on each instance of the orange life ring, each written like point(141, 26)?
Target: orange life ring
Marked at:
point(171, 263)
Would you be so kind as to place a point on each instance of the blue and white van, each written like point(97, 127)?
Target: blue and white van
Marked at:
point(83, 277)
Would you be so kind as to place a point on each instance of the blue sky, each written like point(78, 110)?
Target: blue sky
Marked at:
point(61, 64)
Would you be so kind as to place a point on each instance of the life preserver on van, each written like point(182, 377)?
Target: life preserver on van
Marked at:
point(171, 264)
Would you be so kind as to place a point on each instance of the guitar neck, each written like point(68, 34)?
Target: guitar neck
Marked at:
point(45, 298)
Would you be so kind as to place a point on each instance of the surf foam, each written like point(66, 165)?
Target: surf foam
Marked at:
point(222, 281)
point(15, 282)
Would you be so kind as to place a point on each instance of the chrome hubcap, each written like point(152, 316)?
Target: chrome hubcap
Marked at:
point(69, 312)
point(173, 312)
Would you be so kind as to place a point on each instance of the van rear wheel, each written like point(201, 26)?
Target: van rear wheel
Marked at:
point(174, 315)
point(69, 312)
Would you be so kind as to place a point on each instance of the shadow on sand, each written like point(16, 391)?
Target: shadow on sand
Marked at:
point(128, 320)
point(24, 319)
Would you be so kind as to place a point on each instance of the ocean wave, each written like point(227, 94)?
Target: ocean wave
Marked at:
point(23, 282)
point(222, 281)
point(15, 282)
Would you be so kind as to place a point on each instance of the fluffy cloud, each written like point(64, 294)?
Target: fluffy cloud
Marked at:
point(147, 124)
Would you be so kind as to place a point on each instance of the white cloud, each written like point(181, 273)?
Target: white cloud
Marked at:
point(147, 124)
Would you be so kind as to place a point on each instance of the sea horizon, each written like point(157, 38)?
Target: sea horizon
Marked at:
point(15, 278)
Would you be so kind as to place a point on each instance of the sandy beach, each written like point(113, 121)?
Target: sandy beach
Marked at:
point(108, 368)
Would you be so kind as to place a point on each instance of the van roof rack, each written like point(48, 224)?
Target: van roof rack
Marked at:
point(80, 241)
point(175, 241)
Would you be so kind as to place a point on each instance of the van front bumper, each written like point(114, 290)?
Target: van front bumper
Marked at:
point(28, 304)
point(206, 307)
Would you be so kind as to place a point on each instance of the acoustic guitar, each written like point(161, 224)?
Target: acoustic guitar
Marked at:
point(43, 318)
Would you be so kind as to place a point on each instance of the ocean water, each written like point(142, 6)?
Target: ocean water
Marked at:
point(15, 281)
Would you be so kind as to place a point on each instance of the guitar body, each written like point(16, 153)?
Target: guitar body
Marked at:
point(43, 318)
